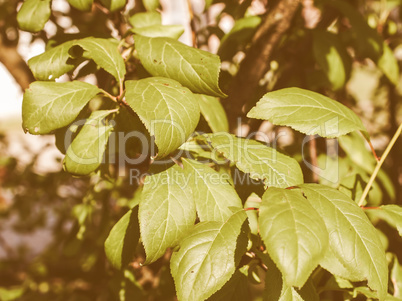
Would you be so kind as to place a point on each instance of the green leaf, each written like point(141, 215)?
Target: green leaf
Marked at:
point(169, 111)
point(53, 63)
point(83, 5)
point(122, 241)
point(368, 41)
point(355, 147)
point(48, 106)
point(276, 289)
point(208, 257)
point(259, 160)
point(195, 69)
point(307, 112)
point(213, 112)
point(103, 52)
point(355, 251)
point(396, 277)
point(168, 31)
point(196, 150)
point(33, 15)
point(13, 293)
point(393, 215)
point(332, 57)
point(370, 295)
point(239, 36)
point(151, 5)
point(293, 232)
point(167, 211)
point(113, 5)
point(213, 195)
point(146, 19)
point(388, 64)
point(253, 201)
point(236, 289)
point(85, 153)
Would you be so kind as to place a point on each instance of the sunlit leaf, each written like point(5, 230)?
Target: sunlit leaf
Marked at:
point(293, 232)
point(85, 154)
point(53, 63)
point(103, 52)
point(123, 239)
point(33, 15)
point(168, 31)
point(195, 69)
point(389, 65)
point(213, 195)
point(151, 5)
point(308, 112)
point(113, 5)
point(13, 293)
point(258, 160)
point(81, 4)
point(169, 111)
point(355, 251)
point(146, 19)
point(167, 211)
point(208, 257)
point(48, 106)
point(213, 112)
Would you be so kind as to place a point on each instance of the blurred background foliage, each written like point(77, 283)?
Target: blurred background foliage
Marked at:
point(53, 226)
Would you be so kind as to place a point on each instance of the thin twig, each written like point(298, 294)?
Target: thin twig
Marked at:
point(379, 164)
point(107, 94)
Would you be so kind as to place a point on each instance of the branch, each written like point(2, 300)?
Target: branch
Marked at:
point(16, 65)
point(257, 60)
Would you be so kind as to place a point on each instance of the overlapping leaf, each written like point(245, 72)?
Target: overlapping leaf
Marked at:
point(213, 195)
point(240, 34)
point(389, 64)
point(259, 160)
point(167, 211)
point(85, 154)
point(308, 112)
point(81, 4)
point(146, 19)
point(236, 289)
point(104, 53)
point(393, 215)
point(293, 232)
point(213, 112)
point(355, 251)
point(123, 239)
point(208, 257)
point(33, 15)
point(113, 5)
point(151, 5)
point(195, 69)
point(53, 63)
point(332, 57)
point(168, 31)
point(48, 105)
point(169, 111)
point(368, 42)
